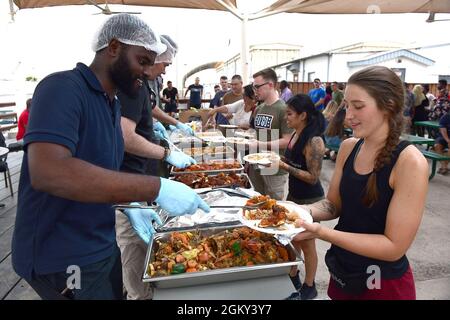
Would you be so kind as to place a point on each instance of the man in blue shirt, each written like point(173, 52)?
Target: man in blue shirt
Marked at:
point(317, 95)
point(223, 88)
point(64, 239)
point(217, 101)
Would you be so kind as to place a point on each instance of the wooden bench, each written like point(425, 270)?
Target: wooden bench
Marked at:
point(7, 104)
point(434, 157)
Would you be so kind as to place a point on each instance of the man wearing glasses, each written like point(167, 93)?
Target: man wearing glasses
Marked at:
point(272, 133)
point(317, 95)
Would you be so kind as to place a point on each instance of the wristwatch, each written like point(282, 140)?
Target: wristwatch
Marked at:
point(166, 153)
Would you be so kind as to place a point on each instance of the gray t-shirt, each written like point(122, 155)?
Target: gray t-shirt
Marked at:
point(271, 117)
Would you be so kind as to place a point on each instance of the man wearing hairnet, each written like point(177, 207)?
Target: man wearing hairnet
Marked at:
point(162, 61)
point(64, 242)
point(137, 127)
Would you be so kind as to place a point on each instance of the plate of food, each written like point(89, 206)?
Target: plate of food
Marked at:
point(274, 217)
point(261, 158)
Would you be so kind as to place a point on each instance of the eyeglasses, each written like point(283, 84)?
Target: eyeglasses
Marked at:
point(257, 86)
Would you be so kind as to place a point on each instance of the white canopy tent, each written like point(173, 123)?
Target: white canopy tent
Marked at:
point(291, 6)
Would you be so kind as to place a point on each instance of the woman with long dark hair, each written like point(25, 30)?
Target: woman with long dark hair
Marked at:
point(378, 192)
point(303, 161)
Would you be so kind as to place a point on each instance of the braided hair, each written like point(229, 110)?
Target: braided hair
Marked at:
point(383, 85)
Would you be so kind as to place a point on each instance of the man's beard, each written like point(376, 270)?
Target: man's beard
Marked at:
point(122, 76)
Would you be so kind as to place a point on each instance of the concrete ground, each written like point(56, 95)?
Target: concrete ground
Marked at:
point(429, 254)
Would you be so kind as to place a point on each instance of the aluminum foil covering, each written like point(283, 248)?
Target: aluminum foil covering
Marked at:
point(224, 196)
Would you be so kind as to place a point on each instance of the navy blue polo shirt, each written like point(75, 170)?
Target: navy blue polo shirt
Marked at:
point(71, 109)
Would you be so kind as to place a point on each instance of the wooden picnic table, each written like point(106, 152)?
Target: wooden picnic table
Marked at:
point(427, 124)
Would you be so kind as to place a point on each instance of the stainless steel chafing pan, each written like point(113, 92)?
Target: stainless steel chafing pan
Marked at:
point(216, 275)
point(238, 169)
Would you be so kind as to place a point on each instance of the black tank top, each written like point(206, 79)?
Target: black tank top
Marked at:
point(356, 217)
point(298, 188)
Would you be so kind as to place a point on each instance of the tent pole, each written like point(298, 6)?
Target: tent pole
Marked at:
point(11, 10)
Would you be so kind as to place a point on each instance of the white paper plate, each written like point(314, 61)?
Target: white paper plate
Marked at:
point(261, 158)
point(284, 229)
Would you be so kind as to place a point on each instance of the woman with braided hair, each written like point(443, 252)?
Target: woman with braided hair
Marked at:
point(377, 191)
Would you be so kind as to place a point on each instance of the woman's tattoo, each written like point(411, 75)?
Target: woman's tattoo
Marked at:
point(313, 161)
point(327, 206)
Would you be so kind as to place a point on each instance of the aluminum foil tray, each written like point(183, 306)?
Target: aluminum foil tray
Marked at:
point(216, 275)
point(238, 169)
point(248, 184)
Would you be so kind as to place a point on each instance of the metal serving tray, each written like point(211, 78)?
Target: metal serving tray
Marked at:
point(220, 152)
point(217, 275)
point(239, 169)
point(249, 184)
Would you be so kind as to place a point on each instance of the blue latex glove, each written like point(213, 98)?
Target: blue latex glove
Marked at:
point(178, 199)
point(141, 221)
point(185, 128)
point(172, 128)
point(160, 131)
point(158, 135)
point(180, 159)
